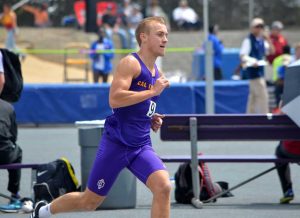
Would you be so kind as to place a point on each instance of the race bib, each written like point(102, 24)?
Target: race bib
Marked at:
point(152, 108)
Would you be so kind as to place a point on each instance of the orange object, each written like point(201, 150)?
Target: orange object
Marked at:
point(80, 10)
point(7, 21)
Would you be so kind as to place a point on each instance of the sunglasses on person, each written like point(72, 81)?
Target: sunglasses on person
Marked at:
point(259, 26)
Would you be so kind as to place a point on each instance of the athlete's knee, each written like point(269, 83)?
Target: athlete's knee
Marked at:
point(162, 188)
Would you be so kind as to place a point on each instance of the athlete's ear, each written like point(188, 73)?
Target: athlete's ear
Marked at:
point(143, 37)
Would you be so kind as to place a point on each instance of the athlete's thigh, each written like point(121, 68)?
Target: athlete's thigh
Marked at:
point(108, 163)
point(145, 163)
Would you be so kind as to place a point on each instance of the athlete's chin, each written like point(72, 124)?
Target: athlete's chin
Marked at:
point(161, 53)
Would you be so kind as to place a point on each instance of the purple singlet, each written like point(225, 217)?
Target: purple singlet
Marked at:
point(131, 124)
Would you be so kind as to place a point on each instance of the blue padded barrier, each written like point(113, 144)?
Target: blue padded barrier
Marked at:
point(177, 99)
point(230, 97)
point(62, 103)
point(67, 103)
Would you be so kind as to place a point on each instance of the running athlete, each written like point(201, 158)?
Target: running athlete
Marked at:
point(126, 139)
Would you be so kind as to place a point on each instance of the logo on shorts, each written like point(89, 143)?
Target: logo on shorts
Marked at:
point(101, 183)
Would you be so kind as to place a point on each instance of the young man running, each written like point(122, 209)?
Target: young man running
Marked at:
point(126, 139)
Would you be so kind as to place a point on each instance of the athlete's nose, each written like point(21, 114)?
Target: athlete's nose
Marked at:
point(165, 39)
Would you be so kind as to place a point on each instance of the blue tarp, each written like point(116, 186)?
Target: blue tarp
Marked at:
point(67, 103)
point(230, 61)
point(230, 97)
point(62, 103)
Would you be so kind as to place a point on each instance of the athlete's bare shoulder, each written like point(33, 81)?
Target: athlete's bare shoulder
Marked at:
point(129, 61)
point(129, 65)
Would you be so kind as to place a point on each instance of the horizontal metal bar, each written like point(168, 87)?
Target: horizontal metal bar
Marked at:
point(230, 159)
point(19, 166)
point(231, 127)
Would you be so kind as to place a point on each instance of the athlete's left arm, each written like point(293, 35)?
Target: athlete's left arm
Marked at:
point(157, 119)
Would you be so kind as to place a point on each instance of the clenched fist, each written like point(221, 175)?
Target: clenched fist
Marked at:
point(160, 84)
point(156, 121)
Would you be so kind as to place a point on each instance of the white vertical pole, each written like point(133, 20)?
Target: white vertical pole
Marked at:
point(194, 163)
point(251, 9)
point(205, 19)
point(209, 74)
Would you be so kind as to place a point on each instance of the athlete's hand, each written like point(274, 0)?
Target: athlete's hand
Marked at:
point(160, 84)
point(156, 121)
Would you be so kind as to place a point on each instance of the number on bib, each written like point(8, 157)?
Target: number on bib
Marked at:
point(152, 108)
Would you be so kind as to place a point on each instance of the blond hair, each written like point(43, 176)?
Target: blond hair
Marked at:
point(144, 25)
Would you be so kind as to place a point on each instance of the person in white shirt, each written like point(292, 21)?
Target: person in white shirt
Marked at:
point(253, 51)
point(185, 16)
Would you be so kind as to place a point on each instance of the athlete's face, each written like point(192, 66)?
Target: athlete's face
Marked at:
point(157, 38)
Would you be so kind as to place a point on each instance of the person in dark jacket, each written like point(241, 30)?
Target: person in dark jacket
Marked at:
point(218, 51)
point(10, 152)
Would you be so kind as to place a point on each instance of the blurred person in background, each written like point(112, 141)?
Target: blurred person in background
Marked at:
point(286, 59)
point(185, 17)
point(296, 58)
point(9, 21)
point(217, 51)
point(132, 21)
point(154, 10)
point(253, 51)
point(111, 25)
point(277, 39)
point(101, 62)
point(40, 13)
point(124, 11)
point(127, 8)
point(279, 65)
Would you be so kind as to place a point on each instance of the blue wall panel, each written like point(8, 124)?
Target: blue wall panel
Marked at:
point(67, 103)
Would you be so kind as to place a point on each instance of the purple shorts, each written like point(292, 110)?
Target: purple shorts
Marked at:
point(114, 156)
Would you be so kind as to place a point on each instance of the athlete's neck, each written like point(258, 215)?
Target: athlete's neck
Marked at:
point(147, 58)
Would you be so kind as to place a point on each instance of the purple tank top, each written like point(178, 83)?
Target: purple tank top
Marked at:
point(131, 124)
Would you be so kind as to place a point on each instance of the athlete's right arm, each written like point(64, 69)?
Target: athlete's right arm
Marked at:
point(120, 95)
